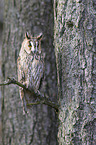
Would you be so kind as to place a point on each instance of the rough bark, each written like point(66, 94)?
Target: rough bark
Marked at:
point(1, 29)
point(75, 44)
point(39, 126)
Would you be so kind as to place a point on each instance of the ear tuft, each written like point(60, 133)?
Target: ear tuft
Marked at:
point(40, 36)
point(27, 35)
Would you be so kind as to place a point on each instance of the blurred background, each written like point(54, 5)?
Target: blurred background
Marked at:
point(1, 35)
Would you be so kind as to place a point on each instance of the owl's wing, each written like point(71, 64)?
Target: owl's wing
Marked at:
point(21, 74)
point(39, 70)
point(20, 77)
point(35, 73)
point(19, 69)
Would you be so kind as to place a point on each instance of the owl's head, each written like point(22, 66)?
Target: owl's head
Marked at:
point(32, 44)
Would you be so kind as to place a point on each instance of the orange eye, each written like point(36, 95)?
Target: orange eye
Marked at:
point(29, 45)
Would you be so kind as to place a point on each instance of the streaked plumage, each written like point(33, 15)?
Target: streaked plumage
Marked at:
point(30, 64)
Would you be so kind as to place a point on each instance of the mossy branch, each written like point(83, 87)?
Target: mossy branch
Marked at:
point(44, 99)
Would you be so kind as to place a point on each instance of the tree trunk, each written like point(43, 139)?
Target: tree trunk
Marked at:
point(1, 29)
point(75, 43)
point(39, 126)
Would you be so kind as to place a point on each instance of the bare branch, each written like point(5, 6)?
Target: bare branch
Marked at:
point(12, 81)
point(46, 102)
point(44, 99)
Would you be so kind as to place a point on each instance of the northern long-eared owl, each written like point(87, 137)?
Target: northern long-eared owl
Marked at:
point(30, 65)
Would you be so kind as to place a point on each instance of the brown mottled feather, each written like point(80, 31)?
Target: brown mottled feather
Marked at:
point(30, 65)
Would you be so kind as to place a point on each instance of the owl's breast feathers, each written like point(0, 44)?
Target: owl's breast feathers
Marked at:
point(30, 69)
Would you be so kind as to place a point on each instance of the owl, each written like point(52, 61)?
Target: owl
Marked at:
point(30, 64)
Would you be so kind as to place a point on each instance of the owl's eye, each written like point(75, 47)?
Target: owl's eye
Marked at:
point(29, 45)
